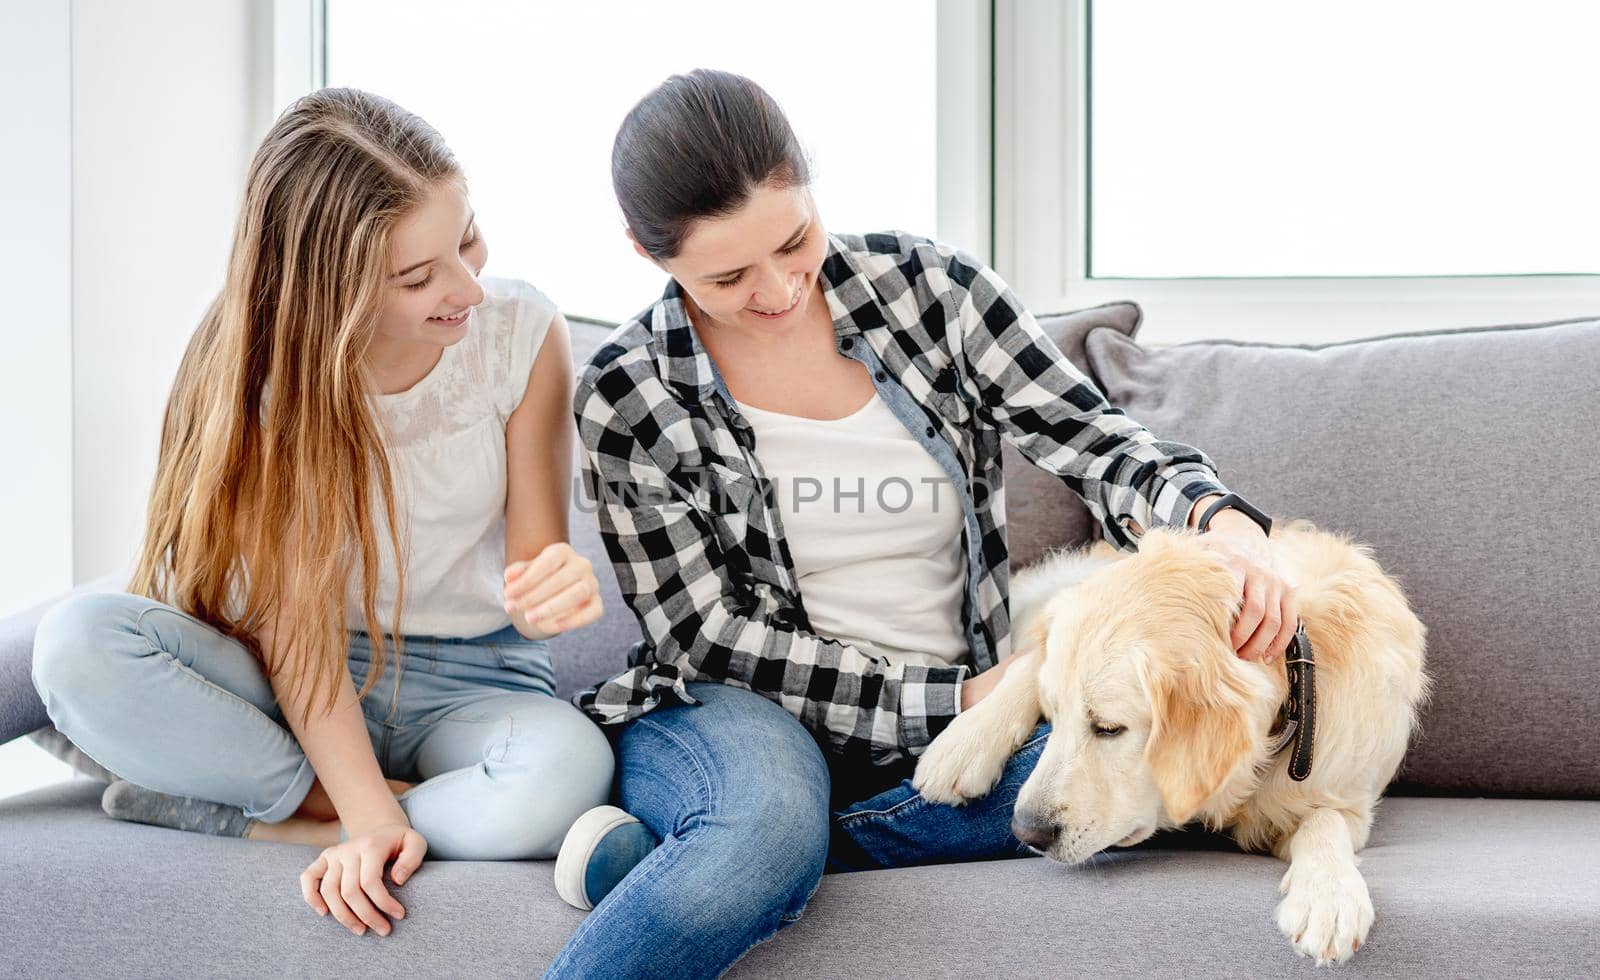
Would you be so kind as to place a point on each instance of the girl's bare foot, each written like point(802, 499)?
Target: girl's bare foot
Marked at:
point(315, 823)
point(296, 830)
point(318, 808)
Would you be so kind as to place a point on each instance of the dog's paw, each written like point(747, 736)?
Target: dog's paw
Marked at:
point(962, 764)
point(1326, 910)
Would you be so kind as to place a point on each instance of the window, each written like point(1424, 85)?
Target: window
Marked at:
point(1302, 172)
point(1367, 138)
point(530, 96)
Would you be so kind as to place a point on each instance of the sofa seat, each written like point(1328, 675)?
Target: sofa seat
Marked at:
point(1462, 887)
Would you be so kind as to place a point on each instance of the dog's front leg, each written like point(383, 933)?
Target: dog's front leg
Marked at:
point(968, 758)
point(1326, 910)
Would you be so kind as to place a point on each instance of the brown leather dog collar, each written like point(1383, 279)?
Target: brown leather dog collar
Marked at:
point(1297, 717)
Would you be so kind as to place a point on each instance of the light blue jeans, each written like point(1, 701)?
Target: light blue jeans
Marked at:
point(750, 814)
point(165, 701)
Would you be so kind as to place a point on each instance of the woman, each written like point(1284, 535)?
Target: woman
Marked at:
point(356, 551)
point(797, 658)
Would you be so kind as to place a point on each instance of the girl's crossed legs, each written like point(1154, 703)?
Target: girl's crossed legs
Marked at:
point(167, 702)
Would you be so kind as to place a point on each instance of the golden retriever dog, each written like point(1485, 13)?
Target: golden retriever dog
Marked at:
point(1157, 722)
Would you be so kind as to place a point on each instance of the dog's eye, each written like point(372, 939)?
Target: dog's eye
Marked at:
point(1109, 731)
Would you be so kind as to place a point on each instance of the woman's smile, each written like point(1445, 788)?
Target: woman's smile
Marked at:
point(794, 301)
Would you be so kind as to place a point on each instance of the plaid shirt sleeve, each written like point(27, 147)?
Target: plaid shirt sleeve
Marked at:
point(1058, 419)
point(707, 622)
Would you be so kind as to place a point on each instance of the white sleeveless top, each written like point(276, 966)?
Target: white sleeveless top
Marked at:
point(447, 446)
point(874, 528)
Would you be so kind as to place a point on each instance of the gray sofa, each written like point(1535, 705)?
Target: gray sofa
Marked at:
point(1466, 459)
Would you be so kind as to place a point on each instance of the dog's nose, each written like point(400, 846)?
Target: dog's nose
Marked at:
point(1031, 831)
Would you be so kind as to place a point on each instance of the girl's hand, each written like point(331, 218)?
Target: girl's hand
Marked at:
point(1267, 612)
point(347, 878)
point(555, 592)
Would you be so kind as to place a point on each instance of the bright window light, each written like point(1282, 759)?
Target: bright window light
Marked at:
point(530, 96)
point(1259, 138)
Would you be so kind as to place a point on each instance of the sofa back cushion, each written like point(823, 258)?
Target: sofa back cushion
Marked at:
point(1041, 512)
point(1467, 460)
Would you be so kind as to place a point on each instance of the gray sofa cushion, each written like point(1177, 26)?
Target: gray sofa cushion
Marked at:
point(21, 711)
point(1467, 460)
point(1461, 888)
point(1041, 512)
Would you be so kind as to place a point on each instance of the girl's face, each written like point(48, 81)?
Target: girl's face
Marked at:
point(755, 269)
point(437, 254)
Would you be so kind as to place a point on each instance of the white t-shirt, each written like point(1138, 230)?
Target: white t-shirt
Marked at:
point(874, 528)
point(447, 446)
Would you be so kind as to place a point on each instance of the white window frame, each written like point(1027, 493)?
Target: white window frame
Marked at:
point(1041, 232)
point(964, 174)
point(964, 139)
point(299, 51)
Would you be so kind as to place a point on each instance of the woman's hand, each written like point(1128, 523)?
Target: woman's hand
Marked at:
point(1267, 612)
point(555, 592)
point(347, 878)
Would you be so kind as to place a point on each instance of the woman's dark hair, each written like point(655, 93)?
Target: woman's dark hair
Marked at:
point(696, 147)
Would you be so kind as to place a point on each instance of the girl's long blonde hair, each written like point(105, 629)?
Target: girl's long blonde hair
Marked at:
point(272, 463)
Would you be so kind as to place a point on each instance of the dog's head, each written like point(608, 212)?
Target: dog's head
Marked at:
point(1150, 709)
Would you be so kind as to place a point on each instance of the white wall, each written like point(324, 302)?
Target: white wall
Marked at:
point(36, 333)
point(165, 113)
point(117, 202)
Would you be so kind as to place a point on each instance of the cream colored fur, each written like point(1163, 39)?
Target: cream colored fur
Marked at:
point(1141, 642)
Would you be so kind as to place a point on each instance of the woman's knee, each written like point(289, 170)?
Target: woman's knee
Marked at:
point(758, 865)
point(788, 844)
point(754, 810)
point(777, 800)
point(77, 637)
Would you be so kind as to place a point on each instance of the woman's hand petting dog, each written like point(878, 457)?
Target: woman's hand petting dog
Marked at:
point(1267, 610)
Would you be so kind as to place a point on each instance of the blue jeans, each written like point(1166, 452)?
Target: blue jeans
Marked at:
point(749, 816)
point(165, 701)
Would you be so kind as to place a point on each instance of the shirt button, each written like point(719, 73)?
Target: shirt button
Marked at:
point(929, 430)
point(882, 376)
point(847, 343)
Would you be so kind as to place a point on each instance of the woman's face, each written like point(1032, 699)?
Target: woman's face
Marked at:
point(755, 269)
point(436, 256)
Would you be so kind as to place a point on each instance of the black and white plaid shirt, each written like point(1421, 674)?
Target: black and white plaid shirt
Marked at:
point(691, 524)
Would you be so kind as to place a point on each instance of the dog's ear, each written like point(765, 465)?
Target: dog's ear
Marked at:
point(1200, 733)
